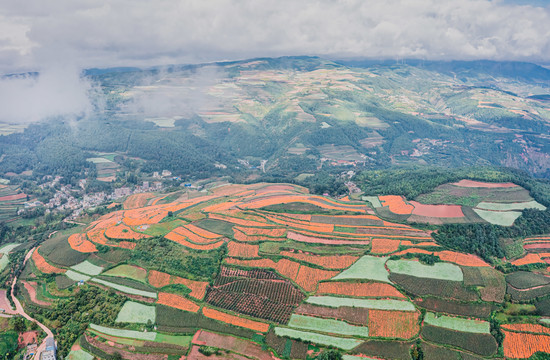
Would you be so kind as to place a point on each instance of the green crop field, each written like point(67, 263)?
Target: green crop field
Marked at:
point(352, 357)
point(327, 325)
point(367, 268)
point(130, 334)
point(510, 206)
point(126, 289)
point(128, 271)
point(173, 339)
point(87, 268)
point(79, 355)
point(333, 301)
point(440, 271)
point(133, 312)
point(458, 324)
point(73, 275)
point(341, 343)
point(4, 250)
point(503, 218)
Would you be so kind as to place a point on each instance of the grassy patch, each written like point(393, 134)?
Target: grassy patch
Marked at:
point(58, 250)
point(503, 218)
point(458, 324)
point(216, 226)
point(333, 301)
point(79, 355)
point(341, 343)
point(510, 206)
point(63, 282)
point(440, 271)
point(128, 271)
point(327, 325)
point(367, 268)
point(133, 312)
point(87, 268)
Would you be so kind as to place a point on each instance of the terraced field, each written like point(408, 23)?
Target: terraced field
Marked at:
point(240, 262)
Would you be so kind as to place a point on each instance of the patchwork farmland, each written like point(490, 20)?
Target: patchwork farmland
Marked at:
point(225, 270)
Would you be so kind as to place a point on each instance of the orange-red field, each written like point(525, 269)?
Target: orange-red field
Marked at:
point(235, 320)
point(375, 290)
point(80, 243)
point(522, 345)
point(177, 302)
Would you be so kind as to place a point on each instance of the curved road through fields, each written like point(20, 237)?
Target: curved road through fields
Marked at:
point(19, 309)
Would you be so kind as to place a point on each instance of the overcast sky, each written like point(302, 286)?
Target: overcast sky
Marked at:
point(86, 33)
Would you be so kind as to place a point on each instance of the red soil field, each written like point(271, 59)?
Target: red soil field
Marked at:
point(413, 251)
point(181, 240)
point(236, 249)
point(80, 243)
point(177, 302)
point(159, 279)
point(461, 259)
point(377, 290)
point(275, 232)
point(230, 343)
point(316, 227)
point(328, 262)
point(314, 200)
point(238, 235)
point(308, 278)
point(31, 289)
point(393, 324)
point(147, 215)
point(425, 243)
point(237, 221)
point(124, 232)
point(522, 345)
point(528, 259)
point(537, 246)
point(219, 207)
point(315, 240)
point(235, 320)
point(287, 268)
point(201, 232)
point(437, 210)
point(26, 338)
point(13, 197)
point(396, 204)
point(384, 246)
point(137, 200)
point(275, 188)
point(531, 328)
point(472, 183)
point(43, 266)
point(183, 232)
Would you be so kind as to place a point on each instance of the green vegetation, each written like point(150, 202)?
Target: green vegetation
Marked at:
point(367, 268)
point(126, 289)
point(130, 334)
point(87, 268)
point(458, 324)
point(75, 276)
point(327, 326)
point(8, 343)
point(502, 218)
point(79, 355)
point(128, 271)
point(332, 301)
point(341, 343)
point(510, 206)
point(133, 312)
point(440, 270)
point(4, 251)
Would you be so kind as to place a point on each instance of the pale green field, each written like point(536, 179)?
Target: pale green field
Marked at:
point(373, 200)
point(133, 312)
point(4, 260)
point(327, 325)
point(181, 340)
point(503, 218)
point(367, 268)
point(79, 355)
point(510, 206)
point(87, 268)
point(341, 343)
point(440, 270)
point(126, 289)
point(73, 275)
point(128, 271)
point(458, 324)
point(352, 357)
point(98, 160)
point(334, 302)
point(163, 122)
point(130, 334)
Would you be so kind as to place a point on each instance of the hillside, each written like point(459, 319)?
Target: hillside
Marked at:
point(256, 270)
point(295, 115)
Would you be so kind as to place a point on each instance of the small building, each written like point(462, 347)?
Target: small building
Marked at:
point(50, 352)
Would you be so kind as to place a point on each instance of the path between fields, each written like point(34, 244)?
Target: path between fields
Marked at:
point(19, 310)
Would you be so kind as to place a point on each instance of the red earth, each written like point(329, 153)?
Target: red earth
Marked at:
point(437, 210)
point(472, 183)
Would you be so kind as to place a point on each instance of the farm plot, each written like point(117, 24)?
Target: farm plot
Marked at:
point(526, 280)
point(126, 289)
point(396, 204)
point(159, 279)
point(530, 328)
point(235, 320)
point(458, 324)
point(327, 326)
point(352, 315)
point(79, 354)
point(177, 302)
point(393, 324)
point(510, 206)
point(481, 344)
point(523, 345)
point(4, 251)
point(370, 289)
point(366, 268)
point(133, 312)
point(43, 266)
point(437, 211)
point(441, 288)
point(76, 276)
point(502, 218)
point(231, 343)
point(438, 271)
point(80, 243)
point(318, 239)
point(341, 343)
point(384, 349)
point(476, 310)
point(332, 301)
point(240, 250)
point(327, 262)
point(128, 271)
point(87, 268)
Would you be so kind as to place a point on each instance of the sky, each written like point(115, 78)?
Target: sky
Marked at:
point(59, 38)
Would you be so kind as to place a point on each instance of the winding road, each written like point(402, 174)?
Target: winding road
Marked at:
point(19, 309)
